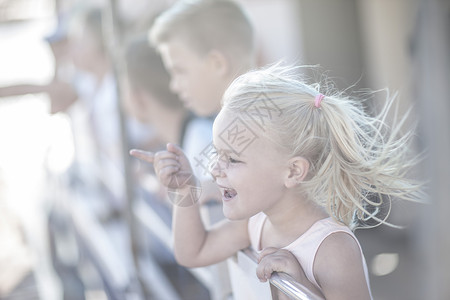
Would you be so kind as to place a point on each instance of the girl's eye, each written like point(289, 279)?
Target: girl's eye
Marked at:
point(232, 160)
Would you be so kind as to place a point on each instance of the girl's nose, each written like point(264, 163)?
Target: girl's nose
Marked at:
point(216, 169)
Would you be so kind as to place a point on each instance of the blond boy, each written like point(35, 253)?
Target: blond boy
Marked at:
point(205, 44)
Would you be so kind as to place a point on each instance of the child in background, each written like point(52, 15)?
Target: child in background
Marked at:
point(60, 90)
point(205, 45)
point(149, 98)
point(298, 170)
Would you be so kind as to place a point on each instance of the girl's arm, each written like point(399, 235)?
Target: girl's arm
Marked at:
point(194, 246)
point(338, 268)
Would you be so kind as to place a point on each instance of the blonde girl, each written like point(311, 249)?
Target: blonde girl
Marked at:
point(298, 170)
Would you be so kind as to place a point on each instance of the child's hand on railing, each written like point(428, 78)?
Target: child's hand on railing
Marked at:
point(283, 261)
point(278, 260)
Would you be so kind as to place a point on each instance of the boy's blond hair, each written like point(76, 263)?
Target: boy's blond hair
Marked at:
point(207, 25)
point(357, 162)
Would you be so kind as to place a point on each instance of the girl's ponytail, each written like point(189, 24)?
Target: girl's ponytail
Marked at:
point(365, 166)
point(358, 163)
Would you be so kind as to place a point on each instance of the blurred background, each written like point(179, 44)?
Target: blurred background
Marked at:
point(79, 219)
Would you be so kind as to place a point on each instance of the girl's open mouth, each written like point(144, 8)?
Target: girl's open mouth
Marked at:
point(229, 194)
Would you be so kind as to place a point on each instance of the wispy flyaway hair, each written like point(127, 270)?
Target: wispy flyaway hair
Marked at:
point(358, 163)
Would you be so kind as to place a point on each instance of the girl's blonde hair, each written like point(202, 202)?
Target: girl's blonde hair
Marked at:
point(357, 162)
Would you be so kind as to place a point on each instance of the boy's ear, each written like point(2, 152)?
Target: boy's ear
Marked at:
point(218, 62)
point(298, 169)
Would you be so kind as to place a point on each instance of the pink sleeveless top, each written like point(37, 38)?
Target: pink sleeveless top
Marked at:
point(305, 247)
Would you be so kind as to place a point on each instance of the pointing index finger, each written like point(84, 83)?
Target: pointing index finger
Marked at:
point(143, 155)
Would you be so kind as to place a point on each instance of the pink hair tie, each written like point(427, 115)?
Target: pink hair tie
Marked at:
point(318, 100)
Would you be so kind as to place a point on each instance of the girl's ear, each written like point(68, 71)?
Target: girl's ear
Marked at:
point(218, 62)
point(298, 169)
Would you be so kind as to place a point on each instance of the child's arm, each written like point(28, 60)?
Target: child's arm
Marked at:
point(22, 89)
point(194, 246)
point(61, 94)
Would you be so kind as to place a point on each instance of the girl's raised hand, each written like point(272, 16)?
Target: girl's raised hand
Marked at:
point(171, 167)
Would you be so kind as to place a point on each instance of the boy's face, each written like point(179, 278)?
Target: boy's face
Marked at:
point(193, 77)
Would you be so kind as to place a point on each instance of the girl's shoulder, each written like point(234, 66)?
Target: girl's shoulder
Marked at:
point(319, 231)
point(335, 240)
point(339, 244)
point(339, 261)
point(325, 234)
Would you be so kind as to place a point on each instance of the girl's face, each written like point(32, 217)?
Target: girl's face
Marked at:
point(249, 170)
